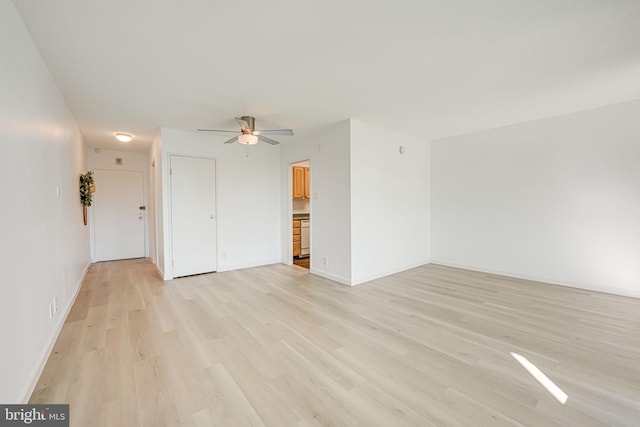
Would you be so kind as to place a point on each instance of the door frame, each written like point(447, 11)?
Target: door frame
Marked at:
point(145, 213)
point(168, 275)
point(290, 210)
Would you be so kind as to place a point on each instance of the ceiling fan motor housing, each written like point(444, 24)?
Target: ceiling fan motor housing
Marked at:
point(248, 133)
point(251, 122)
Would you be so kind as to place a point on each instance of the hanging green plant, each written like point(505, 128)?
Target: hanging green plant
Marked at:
point(86, 188)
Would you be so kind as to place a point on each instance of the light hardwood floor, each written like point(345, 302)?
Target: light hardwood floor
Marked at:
point(277, 346)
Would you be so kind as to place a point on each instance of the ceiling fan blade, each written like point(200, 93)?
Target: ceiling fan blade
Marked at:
point(217, 130)
point(231, 141)
point(273, 132)
point(244, 125)
point(268, 140)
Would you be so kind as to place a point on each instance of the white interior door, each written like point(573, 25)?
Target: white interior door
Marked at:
point(193, 215)
point(118, 221)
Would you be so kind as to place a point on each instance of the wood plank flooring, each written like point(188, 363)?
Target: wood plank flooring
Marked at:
point(302, 262)
point(276, 346)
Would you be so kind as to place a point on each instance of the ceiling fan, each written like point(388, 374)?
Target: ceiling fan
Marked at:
point(249, 135)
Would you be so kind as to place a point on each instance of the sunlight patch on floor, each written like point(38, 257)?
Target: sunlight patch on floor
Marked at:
point(560, 395)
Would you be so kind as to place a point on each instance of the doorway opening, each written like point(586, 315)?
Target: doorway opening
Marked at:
point(301, 213)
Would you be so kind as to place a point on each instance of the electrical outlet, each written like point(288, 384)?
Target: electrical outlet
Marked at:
point(325, 261)
point(55, 305)
point(50, 311)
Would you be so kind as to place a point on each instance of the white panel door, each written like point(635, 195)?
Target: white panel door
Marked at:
point(193, 215)
point(118, 221)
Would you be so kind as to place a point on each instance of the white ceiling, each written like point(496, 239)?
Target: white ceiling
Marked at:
point(426, 68)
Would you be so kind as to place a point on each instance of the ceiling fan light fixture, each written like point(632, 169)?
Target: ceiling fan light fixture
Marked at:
point(247, 139)
point(249, 135)
point(124, 137)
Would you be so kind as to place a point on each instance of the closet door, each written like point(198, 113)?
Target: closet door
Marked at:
point(193, 215)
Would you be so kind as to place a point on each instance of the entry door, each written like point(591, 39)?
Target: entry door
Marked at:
point(118, 221)
point(193, 215)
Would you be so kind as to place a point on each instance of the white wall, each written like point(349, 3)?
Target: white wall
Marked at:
point(45, 246)
point(151, 206)
point(156, 178)
point(131, 161)
point(556, 200)
point(389, 202)
point(328, 152)
point(248, 198)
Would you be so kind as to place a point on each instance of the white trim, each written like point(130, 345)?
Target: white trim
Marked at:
point(290, 208)
point(26, 394)
point(360, 281)
point(604, 289)
point(339, 279)
point(250, 265)
point(290, 212)
point(160, 272)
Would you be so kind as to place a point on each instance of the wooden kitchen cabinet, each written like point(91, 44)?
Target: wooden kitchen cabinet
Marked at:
point(307, 183)
point(301, 182)
point(296, 238)
point(298, 182)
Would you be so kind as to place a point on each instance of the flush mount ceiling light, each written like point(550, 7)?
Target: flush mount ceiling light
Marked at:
point(247, 139)
point(124, 137)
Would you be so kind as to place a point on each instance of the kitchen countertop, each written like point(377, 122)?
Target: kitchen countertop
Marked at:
point(300, 216)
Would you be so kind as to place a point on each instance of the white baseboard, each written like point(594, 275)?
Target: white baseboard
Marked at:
point(348, 282)
point(248, 265)
point(26, 394)
point(232, 267)
point(369, 278)
point(335, 278)
point(603, 289)
point(160, 272)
